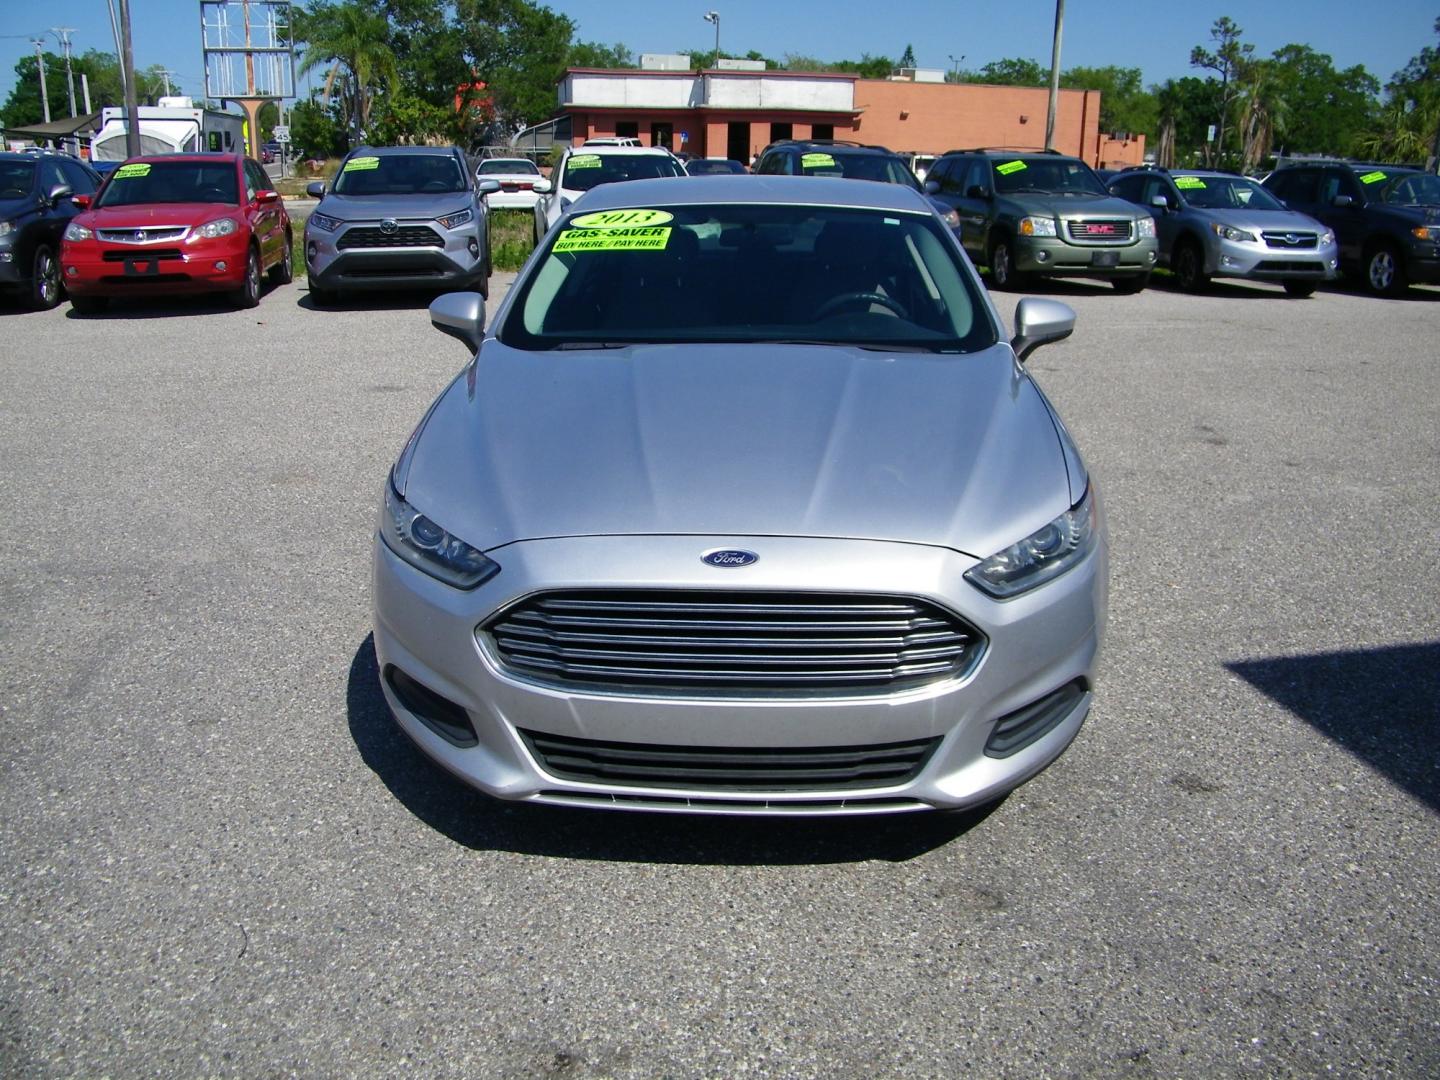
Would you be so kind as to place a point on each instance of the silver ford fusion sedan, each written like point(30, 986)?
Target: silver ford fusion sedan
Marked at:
point(744, 506)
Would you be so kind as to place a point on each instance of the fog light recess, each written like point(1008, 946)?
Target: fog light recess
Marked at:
point(439, 714)
point(1024, 726)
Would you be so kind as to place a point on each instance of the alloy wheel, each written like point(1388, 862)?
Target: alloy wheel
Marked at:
point(47, 278)
point(1381, 271)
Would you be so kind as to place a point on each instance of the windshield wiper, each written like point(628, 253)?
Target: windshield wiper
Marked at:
point(868, 346)
point(583, 345)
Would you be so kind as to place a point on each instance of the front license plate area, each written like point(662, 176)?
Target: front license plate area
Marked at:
point(1104, 258)
point(141, 267)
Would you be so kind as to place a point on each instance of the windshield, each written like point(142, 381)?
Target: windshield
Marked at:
point(140, 182)
point(586, 171)
point(399, 174)
point(713, 167)
point(498, 166)
point(727, 273)
point(16, 179)
point(1413, 189)
point(1225, 193)
point(887, 170)
point(1049, 174)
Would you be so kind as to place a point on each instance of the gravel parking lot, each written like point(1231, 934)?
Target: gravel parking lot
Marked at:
point(218, 856)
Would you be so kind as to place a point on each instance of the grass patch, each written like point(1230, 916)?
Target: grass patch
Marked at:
point(512, 238)
point(297, 254)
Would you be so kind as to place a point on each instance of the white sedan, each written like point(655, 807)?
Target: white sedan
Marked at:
point(517, 177)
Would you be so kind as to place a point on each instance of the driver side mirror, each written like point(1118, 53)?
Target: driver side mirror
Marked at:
point(977, 191)
point(1343, 200)
point(82, 201)
point(542, 187)
point(315, 189)
point(1040, 322)
point(461, 315)
point(1160, 202)
point(487, 187)
point(58, 192)
point(932, 187)
point(264, 198)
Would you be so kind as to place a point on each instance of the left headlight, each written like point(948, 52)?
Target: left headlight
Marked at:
point(76, 231)
point(325, 222)
point(1228, 232)
point(1422, 232)
point(1145, 227)
point(428, 547)
point(6, 228)
point(455, 220)
point(951, 218)
point(1327, 238)
point(212, 230)
point(1042, 556)
point(1037, 226)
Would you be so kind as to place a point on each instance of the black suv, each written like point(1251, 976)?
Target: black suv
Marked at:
point(35, 207)
point(1386, 218)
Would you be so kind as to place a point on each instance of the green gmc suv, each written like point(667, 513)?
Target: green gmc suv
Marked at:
point(1040, 212)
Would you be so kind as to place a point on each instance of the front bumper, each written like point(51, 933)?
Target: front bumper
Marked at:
point(1258, 260)
point(1036, 644)
point(1422, 264)
point(1056, 255)
point(97, 268)
point(456, 259)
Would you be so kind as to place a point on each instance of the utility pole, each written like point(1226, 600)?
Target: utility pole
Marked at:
point(39, 44)
point(132, 102)
point(1054, 76)
point(85, 92)
point(166, 76)
point(119, 48)
point(63, 34)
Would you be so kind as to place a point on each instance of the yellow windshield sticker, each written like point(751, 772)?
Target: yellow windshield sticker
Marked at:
point(639, 238)
point(817, 161)
point(585, 161)
point(621, 219)
point(126, 172)
point(1010, 167)
point(1372, 177)
point(1183, 182)
point(360, 164)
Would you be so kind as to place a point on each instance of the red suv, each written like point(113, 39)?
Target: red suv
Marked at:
point(177, 223)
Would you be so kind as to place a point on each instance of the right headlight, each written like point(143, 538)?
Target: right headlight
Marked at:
point(325, 222)
point(1037, 226)
point(428, 547)
point(1229, 232)
point(1042, 556)
point(1145, 227)
point(6, 227)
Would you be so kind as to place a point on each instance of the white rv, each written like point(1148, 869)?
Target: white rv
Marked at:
point(174, 126)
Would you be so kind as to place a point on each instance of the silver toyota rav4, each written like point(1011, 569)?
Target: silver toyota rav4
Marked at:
point(399, 217)
point(744, 506)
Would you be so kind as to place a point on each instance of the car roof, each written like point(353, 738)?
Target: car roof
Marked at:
point(157, 158)
point(761, 190)
point(605, 150)
point(834, 148)
point(396, 151)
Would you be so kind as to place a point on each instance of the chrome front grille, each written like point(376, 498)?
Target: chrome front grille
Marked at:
point(142, 236)
point(731, 644)
point(1293, 240)
point(403, 236)
point(1111, 229)
point(729, 768)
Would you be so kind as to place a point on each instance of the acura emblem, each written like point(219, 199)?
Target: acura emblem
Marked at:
point(728, 557)
point(139, 236)
point(389, 225)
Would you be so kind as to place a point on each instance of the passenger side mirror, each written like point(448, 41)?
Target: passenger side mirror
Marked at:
point(58, 192)
point(1039, 322)
point(264, 198)
point(487, 187)
point(461, 315)
point(1343, 200)
point(932, 187)
point(976, 191)
point(1160, 201)
point(315, 189)
point(543, 187)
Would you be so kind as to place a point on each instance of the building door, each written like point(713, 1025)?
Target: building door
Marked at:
point(822, 131)
point(627, 129)
point(781, 131)
point(737, 141)
point(662, 134)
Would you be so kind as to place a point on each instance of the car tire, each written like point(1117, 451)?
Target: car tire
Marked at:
point(248, 295)
point(283, 272)
point(1002, 266)
point(1385, 271)
point(1129, 286)
point(1301, 289)
point(89, 305)
point(1189, 266)
point(45, 286)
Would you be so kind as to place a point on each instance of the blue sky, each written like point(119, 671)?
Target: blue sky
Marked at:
point(1155, 37)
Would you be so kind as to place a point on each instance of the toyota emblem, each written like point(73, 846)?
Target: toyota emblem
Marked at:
point(389, 225)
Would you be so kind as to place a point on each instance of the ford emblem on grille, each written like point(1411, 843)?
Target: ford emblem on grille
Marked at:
point(728, 557)
point(389, 225)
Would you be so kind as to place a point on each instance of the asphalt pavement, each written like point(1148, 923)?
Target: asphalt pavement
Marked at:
point(218, 857)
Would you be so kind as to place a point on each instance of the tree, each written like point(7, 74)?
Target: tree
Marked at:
point(1125, 104)
point(1416, 89)
point(907, 58)
point(316, 130)
point(519, 50)
point(1322, 111)
point(1229, 60)
point(591, 54)
point(1014, 71)
point(1184, 107)
point(354, 41)
point(103, 73)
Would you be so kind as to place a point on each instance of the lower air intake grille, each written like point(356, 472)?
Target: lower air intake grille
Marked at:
point(728, 768)
point(732, 644)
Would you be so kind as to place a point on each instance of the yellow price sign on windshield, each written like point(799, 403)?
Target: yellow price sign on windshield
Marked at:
point(817, 161)
point(360, 164)
point(128, 172)
point(621, 219)
point(618, 238)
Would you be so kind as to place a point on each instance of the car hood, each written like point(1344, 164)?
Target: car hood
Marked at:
point(116, 217)
point(379, 207)
point(959, 451)
point(1077, 206)
point(1258, 221)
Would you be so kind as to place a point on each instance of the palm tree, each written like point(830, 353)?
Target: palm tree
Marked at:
point(1402, 134)
point(353, 41)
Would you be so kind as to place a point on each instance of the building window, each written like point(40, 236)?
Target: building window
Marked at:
point(823, 131)
point(627, 129)
point(781, 131)
point(662, 135)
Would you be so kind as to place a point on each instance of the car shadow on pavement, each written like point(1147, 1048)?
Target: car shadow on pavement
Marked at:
point(1382, 705)
point(477, 821)
point(400, 300)
point(124, 308)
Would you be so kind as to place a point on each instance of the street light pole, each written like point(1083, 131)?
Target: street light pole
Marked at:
point(1055, 77)
point(62, 33)
point(714, 17)
point(39, 44)
point(955, 71)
